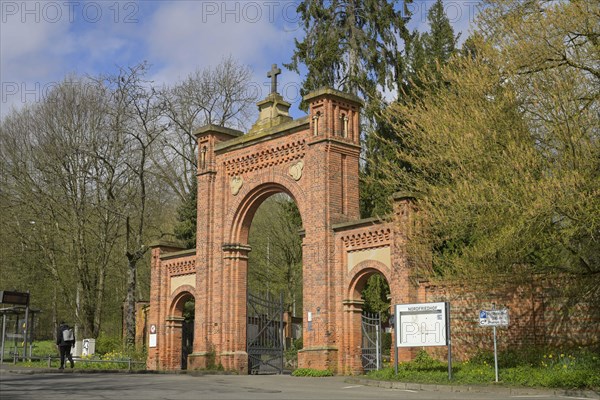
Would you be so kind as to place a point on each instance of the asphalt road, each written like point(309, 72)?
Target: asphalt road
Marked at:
point(76, 386)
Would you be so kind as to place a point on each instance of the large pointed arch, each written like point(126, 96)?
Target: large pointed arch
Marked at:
point(253, 195)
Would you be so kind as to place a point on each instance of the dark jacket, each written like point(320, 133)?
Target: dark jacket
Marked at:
point(59, 337)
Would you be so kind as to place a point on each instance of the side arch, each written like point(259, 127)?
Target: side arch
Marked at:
point(175, 321)
point(179, 298)
point(353, 338)
point(361, 273)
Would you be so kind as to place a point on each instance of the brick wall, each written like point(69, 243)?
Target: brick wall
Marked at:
point(539, 315)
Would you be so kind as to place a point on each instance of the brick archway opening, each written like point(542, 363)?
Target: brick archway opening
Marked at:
point(180, 326)
point(361, 274)
point(269, 223)
point(355, 306)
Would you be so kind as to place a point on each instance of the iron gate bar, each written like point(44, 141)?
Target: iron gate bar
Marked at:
point(371, 341)
point(265, 346)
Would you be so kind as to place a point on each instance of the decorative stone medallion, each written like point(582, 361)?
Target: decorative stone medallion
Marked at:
point(236, 184)
point(295, 170)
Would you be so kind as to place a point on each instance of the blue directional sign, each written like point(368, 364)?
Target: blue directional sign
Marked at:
point(493, 317)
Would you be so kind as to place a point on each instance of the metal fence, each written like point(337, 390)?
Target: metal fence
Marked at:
point(16, 356)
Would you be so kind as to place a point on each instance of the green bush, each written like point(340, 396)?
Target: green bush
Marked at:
point(108, 344)
point(386, 343)
point(312, 372)
point(423, 362)
point(574, 369)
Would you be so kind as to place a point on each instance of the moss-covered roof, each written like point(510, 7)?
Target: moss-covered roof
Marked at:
point(267, 134)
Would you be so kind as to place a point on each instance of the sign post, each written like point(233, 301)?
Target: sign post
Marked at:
point(494, 318)
point(449, 341)
point(423, 324)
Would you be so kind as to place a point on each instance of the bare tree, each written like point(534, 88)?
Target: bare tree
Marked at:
point(219, 96)
point(137, 116)
point(86, 173)
point(54, 161)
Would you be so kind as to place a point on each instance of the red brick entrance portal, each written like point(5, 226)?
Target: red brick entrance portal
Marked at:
point(314, 160)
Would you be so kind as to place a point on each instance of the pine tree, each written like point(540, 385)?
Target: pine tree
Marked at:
point(351, 45)
point(425, 54)
point(185, 230)
point(429, 51)
point(440, 42)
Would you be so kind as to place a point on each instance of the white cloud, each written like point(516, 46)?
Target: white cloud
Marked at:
point(39, 46)
point(31, 56)
point(175, 37)
point(183, 36)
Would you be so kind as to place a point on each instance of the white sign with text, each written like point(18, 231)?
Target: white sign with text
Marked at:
point(421, 324)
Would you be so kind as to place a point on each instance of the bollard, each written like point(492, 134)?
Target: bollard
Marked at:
point(49, 361)
point(129, 363)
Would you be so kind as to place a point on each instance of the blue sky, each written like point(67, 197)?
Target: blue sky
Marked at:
point(42, 41)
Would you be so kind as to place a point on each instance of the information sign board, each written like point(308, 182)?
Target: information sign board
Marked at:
point(422, 324)
point(10, 297)
point(493, 317)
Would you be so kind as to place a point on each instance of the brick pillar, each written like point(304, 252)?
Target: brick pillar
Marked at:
point(210, 336)
point(353, 337)
point(331, 167)
point(403, 288)
point(173, 340)
point(152, 362)
point(158, 298)
point(232, 352)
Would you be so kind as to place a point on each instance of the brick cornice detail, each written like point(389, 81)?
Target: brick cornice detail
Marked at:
point(181, 267)
point(266, 158)
point(363, 240)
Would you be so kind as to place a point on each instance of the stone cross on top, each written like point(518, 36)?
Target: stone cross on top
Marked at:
point(273, 75)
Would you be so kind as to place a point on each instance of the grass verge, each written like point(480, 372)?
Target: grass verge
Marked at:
point(576, 369)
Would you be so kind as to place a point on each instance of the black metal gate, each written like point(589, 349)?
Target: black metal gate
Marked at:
point(371, 341)
point(264, 333)
point(187, 341)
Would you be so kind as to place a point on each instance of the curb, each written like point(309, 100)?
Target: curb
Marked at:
point(34, 371)
point(508, 391)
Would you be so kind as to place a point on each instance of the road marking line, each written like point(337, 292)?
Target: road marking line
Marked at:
point(352, 387)
point(578, 398)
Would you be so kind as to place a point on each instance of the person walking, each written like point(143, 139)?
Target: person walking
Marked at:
point(65, 340)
